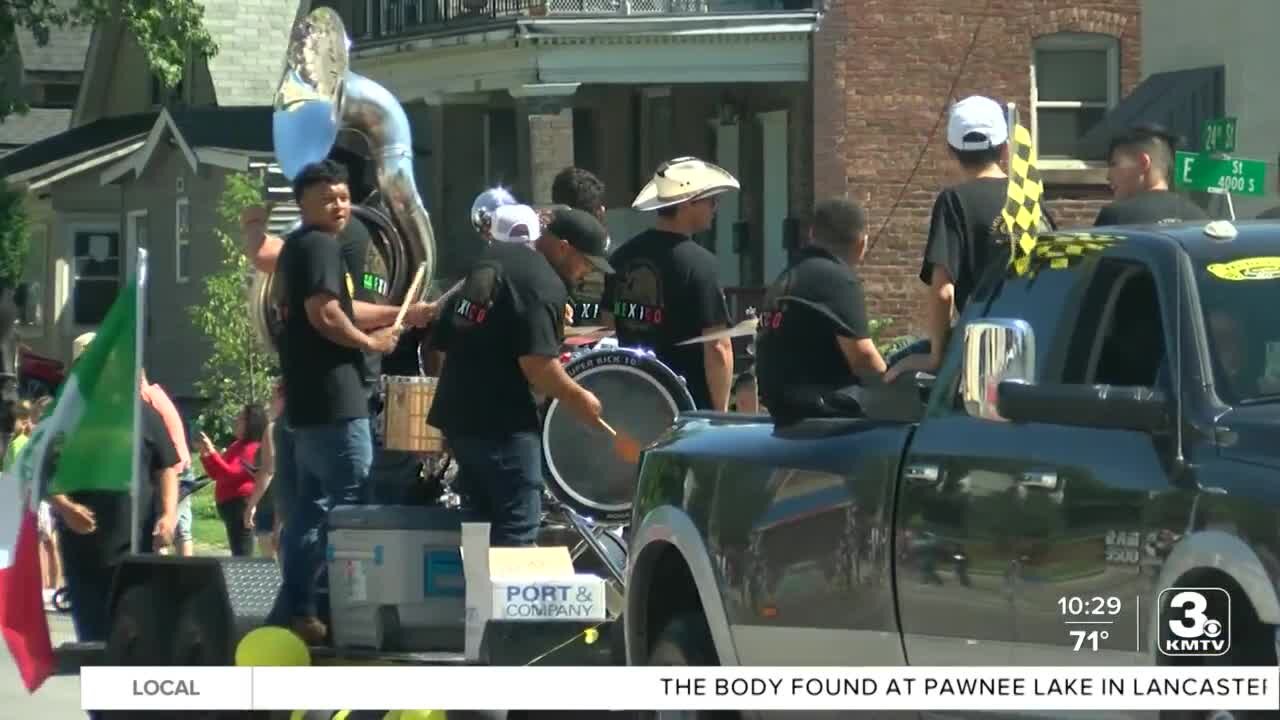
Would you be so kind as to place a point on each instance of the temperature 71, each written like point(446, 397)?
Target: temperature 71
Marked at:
point(1089, 636)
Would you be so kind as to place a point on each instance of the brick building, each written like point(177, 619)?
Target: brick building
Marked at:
point(799, 99)
point(885, 72)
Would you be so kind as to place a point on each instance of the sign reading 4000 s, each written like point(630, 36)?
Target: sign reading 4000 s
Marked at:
point(1212, 174)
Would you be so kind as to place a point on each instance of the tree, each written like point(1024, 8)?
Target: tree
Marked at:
point(13, 236)
point(238, 369)
point(171, 33)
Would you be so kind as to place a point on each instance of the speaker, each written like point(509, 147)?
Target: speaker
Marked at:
point(168, 610)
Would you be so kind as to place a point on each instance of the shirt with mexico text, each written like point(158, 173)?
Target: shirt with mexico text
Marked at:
point(324, 382)
point(510, 306)
point(665, 290)
point(815, 301)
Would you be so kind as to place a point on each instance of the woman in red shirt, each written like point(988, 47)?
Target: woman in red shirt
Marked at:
point(232, 471)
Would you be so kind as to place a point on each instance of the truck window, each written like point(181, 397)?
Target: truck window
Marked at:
point(1038, 299)
point(1243, 336)
point(1119, 339)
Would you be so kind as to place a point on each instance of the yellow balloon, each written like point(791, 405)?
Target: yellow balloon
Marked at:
point(272, 647)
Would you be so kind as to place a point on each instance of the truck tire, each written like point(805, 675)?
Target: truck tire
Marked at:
point(685, 641)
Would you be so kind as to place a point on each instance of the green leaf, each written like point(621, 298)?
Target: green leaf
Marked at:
point(238, 369)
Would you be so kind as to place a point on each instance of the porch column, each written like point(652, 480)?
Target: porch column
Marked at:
point(544, 115)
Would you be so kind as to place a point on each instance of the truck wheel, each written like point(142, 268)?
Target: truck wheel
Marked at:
point(686, 642)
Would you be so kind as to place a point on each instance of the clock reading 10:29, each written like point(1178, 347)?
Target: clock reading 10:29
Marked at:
point(1089, 606)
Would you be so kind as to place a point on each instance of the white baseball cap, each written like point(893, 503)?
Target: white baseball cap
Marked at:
point(980, 115)
point(516, 223)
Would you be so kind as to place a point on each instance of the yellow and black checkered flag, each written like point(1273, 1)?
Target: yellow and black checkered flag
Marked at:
point(1022, 207)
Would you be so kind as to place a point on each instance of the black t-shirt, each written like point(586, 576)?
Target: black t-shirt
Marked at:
point(323, 382)
point(511, 305)
point(814, 301)
point(110, 542)
point(368, 269)
point(666, 290)
point(967, 233)
point(1155, 207)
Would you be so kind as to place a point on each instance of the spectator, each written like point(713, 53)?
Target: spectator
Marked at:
point(232, 471)
point(159, 400)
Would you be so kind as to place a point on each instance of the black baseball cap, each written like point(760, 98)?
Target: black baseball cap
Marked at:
point(584, 232)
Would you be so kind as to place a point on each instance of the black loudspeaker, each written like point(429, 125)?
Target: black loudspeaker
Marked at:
point(168, 610)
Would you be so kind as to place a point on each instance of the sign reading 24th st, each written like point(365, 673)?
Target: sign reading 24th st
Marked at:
point(1212, 174)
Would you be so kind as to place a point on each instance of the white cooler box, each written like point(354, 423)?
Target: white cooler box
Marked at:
point(395, 578)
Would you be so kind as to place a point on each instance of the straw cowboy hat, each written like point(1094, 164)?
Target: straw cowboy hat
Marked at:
point(683, 180)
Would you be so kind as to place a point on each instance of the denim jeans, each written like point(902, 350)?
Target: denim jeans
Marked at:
point(500, 479)
point(332, 463)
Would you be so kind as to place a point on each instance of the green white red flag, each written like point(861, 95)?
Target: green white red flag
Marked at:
point(85, 442)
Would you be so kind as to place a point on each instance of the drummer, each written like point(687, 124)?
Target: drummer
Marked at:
point(813, 335)
point(501, 336)
point(667, 288)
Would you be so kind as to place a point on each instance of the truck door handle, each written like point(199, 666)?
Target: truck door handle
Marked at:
point(921, 473)
point(1045, 479)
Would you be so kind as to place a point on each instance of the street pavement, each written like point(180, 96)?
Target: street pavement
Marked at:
point(57, 699)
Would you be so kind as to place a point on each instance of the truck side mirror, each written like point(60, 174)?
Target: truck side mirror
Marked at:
point(1117, 407)
point(995, 350)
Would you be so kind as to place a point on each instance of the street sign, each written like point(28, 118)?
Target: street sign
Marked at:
point(1214, 174)
point(1219, 136)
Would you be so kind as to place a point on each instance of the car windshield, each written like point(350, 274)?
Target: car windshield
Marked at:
point(1243, 328)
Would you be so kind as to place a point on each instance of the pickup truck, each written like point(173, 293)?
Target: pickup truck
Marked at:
point(1103, 427)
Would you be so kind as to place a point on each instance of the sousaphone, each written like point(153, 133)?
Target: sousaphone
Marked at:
point(318, 104)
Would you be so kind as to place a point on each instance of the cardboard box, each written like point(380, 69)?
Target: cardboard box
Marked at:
point(523, 584)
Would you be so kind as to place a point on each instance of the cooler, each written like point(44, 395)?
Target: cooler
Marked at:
point(395, 578)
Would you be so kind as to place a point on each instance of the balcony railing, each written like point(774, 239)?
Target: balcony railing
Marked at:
point(373, 19)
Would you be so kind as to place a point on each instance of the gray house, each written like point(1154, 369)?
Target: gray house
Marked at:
point(47, 77)
point(143, 166)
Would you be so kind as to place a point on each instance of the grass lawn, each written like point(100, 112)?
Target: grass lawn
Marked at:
point(206, 526)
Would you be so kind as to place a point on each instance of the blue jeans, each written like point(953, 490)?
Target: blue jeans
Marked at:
point(332, 463)
point(500, 479)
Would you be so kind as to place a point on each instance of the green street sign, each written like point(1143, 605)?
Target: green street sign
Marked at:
point(1214, 174)
point(1219, 136)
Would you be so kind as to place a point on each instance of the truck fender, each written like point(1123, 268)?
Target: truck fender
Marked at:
point(1227, 553)
point(669, 525)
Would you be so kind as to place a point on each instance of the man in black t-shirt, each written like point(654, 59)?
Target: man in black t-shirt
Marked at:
point(1139, 164)
point(667, 288)
point(581, 190)
point(96, 531)
point(501, 337)
point(813, 335)
point(966, 231)
point(325, 383)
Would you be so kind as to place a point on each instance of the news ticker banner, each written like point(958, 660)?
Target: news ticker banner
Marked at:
point(667, 688)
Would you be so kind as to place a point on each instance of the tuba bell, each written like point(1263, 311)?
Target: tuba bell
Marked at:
point(320, 101)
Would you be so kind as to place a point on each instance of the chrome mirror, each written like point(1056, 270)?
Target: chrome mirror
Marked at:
point(995, 351)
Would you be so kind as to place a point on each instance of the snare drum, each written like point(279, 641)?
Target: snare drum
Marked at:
point(641, 397)
point(404, 415)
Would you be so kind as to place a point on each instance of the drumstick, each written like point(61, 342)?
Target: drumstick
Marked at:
point(626, 445)
point(409, 296)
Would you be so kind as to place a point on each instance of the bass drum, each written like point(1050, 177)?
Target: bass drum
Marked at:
point(641, 397)
point(386, 281)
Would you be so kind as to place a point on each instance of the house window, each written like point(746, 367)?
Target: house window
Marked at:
point(61, 95)
point(1075, 82)
point(97, 275)
point(182, 240)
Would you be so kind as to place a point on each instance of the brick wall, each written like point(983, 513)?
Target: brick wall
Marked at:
point(883, 73)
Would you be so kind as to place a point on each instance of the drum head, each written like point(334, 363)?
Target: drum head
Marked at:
point(641, 398)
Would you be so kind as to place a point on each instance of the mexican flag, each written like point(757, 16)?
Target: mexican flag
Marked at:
point(85, 442)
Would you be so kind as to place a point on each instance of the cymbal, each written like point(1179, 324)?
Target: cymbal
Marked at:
point(742, 329)
point(587, 330)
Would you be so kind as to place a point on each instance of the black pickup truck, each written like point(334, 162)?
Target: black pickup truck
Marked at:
point(1104, 427)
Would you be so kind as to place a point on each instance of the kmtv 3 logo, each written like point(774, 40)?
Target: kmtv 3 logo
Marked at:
point(1195, 621)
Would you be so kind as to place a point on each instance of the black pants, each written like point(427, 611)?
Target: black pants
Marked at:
point(239, 537)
